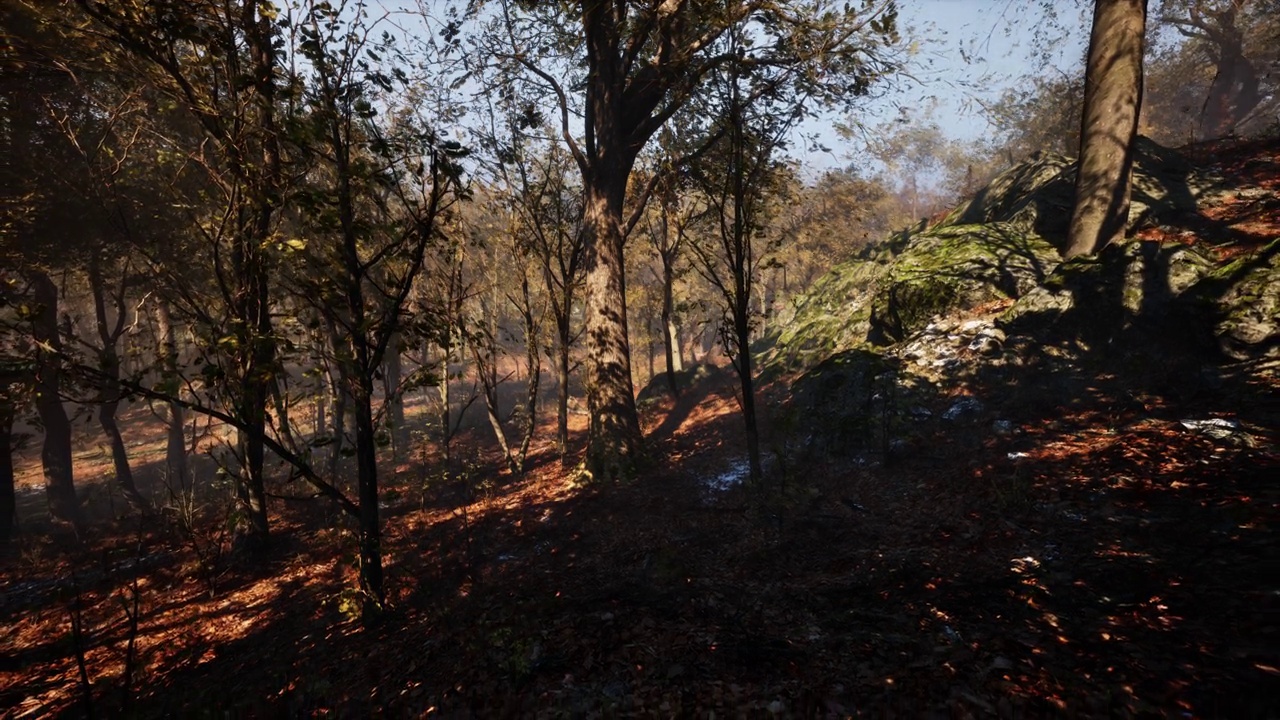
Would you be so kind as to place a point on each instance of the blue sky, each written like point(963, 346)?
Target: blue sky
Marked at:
point(968, 52)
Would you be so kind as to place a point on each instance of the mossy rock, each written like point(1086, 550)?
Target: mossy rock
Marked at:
point(1243, 298)
point(1034, 196)
point(954, 268)
point(1037, 196)
point(834, 314)
point(689, 378)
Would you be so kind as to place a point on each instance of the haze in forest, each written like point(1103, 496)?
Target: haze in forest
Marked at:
point(638, 358)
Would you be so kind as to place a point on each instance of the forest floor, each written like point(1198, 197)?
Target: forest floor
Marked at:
point(1107, 554)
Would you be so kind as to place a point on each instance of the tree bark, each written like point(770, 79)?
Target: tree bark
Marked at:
point(742, 331)
point(1109, 125)
point(485, 363)
point(670, 333)
point(55, 454)
point(336, 376)
point(614, 445)
point(564, 337)
point(175, 457)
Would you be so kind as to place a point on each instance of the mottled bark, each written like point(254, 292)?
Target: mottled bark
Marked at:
point(1112, 98)
point(614, 444)
point(670, 332)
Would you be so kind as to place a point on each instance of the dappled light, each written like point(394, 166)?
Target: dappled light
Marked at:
point(519, 359)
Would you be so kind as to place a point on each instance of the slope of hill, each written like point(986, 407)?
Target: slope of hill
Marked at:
point(999, 486)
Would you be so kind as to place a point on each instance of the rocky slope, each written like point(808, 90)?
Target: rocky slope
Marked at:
point(980, 309)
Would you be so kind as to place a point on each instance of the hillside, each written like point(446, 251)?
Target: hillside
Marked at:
point(999, 486)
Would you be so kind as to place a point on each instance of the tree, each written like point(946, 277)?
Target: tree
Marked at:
point(666, 233)
point(220, 63)
point(1217, 28)
point(38, 212)
point(373, 213)
point(638, 63)
point(736, 179)
point(1109, 125)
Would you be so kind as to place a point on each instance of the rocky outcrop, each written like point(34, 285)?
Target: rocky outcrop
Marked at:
point(1004, 245)
point(1243, 302)
point(956, 268)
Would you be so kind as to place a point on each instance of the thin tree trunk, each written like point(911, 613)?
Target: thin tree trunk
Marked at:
point(253, 301)
point(336, 375)
point(563, 338)
point(534, 380)
point(1109, 125)
point(55, 453)
point(109, 404)
point(257, 355)
point(395, 403)
point(484, 370)
point(670, 333)
point(176, 446)
point(742, 329)
point(446, 424)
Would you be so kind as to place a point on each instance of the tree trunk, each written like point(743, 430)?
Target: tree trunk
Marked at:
point(446, 424)
point(395, 403)
point(109, 404)
point(8, 492)
point(336, 375)
point(742, 331)
point(176, 444)
point(614, 442)
point(257, 354)
point(485, 362)
point(563, 338)
point(367, 478)
point(1109, 125)
point(670, 333)
point(56, 452)
point(534, 381)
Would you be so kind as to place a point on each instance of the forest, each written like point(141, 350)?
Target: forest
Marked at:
point(627, 358)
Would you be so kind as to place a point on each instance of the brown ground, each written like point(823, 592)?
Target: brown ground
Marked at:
point(1122, 566)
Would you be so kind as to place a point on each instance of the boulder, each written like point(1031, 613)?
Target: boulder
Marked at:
point(833, 315)
point(1243, 298)
point(1091, 300)
point(1037, 196)
point(956, 267)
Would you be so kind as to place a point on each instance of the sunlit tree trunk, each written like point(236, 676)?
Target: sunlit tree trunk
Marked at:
point(614, 442)
point(1112, 98)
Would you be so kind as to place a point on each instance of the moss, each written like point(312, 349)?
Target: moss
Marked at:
point(957, 267)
